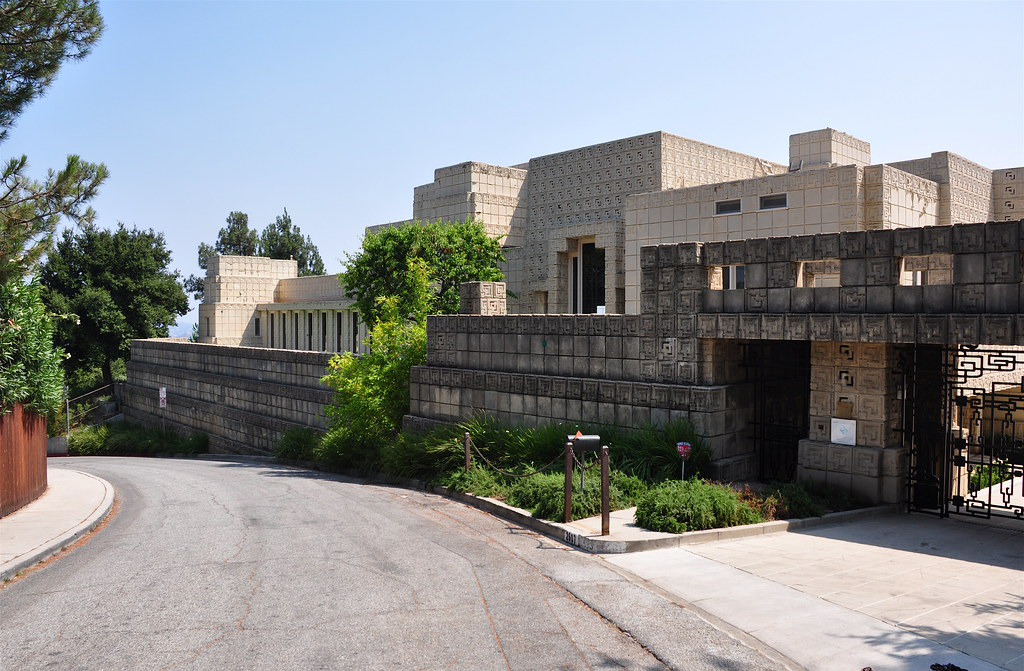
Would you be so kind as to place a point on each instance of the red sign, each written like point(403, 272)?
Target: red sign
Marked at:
point(684, 449)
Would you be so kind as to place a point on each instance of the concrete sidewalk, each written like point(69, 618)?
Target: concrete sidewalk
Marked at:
point(74, 503)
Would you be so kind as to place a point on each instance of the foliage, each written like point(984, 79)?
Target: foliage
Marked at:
point(795, 501)
point(372, 389)
point(692, 505)
point(123, 438)
point(280, 240)
point(478, 481)
point(297, 443)
point(544, 496)
point(453, 252)
point(987, 475)
point(650, 453)
point(36, 37)
point(118, 284)
point(30, 367)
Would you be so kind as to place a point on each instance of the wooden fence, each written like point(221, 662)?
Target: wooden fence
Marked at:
point(22, 458)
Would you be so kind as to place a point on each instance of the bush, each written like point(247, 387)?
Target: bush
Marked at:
point(631, 487)
point(692, 505)
point(651, 455)
point(30, 366)
point(477, 481)
point(795, 501)
point(544, 496)
point(297, 443)
point(124, 438)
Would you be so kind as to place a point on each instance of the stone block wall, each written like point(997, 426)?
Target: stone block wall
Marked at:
point(242, 397)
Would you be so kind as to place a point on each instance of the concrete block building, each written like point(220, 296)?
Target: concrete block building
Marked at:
point(252, 301)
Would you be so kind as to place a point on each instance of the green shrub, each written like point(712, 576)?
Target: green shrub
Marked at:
point(30, 366)
point(544, 496)
point(88, 441)
point(631, 487)
point(650, 453)
point(125, 438)
point(987, 475)
point(477, 481)
point(349, 448)
point(795, 501)
point(297, 443)
point(692, 505)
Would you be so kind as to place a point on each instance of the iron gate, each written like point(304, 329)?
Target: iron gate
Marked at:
point(780, 377)
point(963, 425)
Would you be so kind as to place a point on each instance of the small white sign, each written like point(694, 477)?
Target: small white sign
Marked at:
point(844, 431)
point(163, 402)
point(163, 393)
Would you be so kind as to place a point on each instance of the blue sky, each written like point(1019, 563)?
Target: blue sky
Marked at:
point(336, 110)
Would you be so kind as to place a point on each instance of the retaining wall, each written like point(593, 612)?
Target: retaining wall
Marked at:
point(242, 397)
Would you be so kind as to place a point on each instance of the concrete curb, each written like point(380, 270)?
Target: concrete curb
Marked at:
point(598, 545)
point(55, 545)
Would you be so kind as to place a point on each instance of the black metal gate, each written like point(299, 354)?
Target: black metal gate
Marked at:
point(963, 425)
point(779, 373)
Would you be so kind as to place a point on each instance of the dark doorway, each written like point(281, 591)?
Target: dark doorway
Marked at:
point(587, 277)
point(779, 373)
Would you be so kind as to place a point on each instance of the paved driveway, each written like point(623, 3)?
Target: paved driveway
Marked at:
point(955, 582)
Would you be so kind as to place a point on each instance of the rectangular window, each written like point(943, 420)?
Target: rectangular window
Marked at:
point(732, 277)
point(773, 202)
point(727, 206)
point(309, 331)
point(208, 333)
point(355, 332)
point(271, 329)
point(323, 331)
point(338, 331)
point(295, 328)
point(256, 327)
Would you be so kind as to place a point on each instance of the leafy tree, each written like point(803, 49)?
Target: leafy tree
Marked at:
point(453, 252)
point(280, 240)
point(36, 37)
point(118, 284)
point(30, 370)
point(372, 390)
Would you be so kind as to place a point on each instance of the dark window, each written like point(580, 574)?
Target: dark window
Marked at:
point(295, 327)
point(323, 331)
point(338, 331)
point(773, 202)
point(732, 277)
point(309, 330)
point(355, 332)
point(256, 327)
point(271, 329)
point(727, 206)
point(208, 334)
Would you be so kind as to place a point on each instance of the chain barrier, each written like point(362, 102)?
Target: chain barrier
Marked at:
point(515, 475)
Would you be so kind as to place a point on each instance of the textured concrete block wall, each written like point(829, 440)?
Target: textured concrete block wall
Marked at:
point(243, 397)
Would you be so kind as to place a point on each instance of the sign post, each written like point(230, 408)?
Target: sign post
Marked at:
point(684, 452)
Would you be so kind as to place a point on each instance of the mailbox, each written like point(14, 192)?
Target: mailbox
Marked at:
point(581, 443)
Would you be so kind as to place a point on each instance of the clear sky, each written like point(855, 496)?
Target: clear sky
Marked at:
point(337, 110)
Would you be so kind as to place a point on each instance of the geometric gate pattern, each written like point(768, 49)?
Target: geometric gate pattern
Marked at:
point(963, 425)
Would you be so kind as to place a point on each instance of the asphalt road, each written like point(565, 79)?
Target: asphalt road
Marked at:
point(221, 565)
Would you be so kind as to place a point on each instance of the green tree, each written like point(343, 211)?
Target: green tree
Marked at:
point(281, 240)
point(235, 239)
point(36, 37)
point(118, 284)
point(372, 389)
point(453, 252)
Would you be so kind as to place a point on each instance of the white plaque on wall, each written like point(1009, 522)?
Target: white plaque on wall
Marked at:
point(844, 431)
